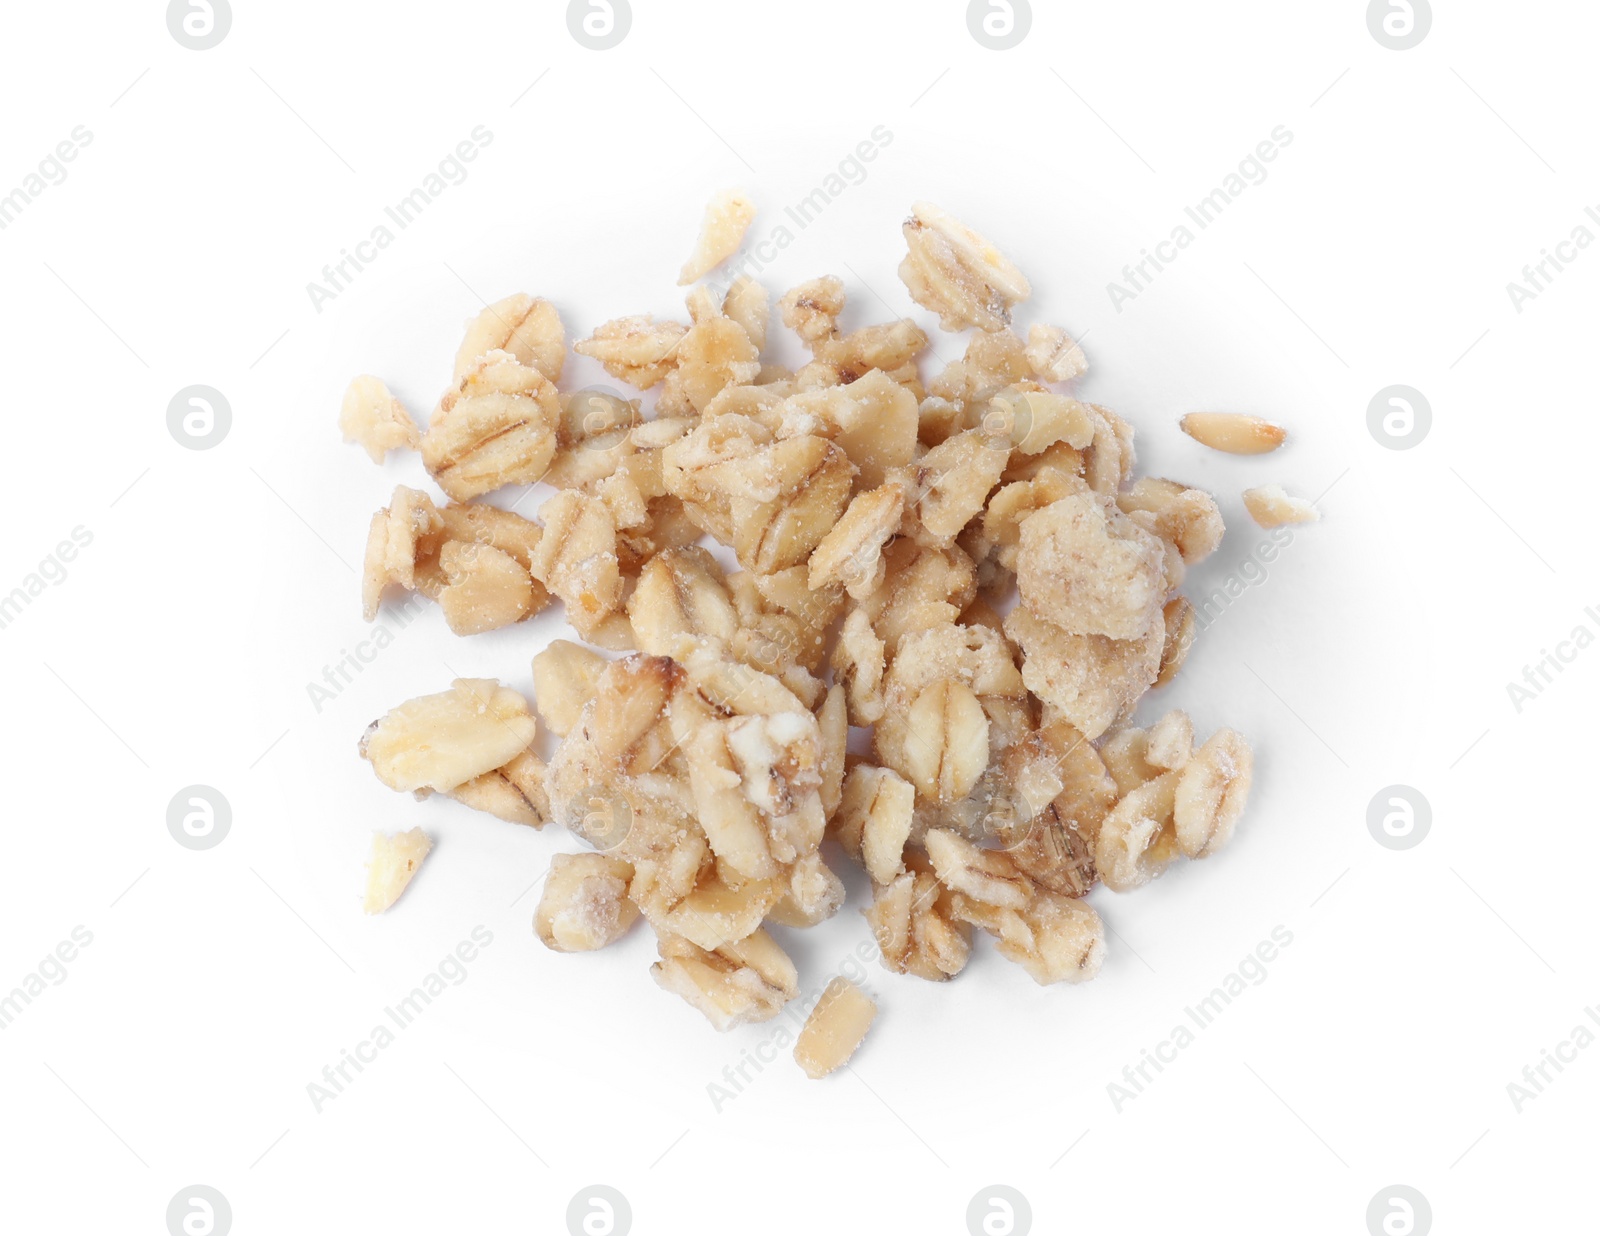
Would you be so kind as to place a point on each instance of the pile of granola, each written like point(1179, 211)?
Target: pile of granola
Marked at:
point(881, 525)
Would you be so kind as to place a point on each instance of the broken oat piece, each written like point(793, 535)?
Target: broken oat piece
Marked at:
point(1233, 432)
point(957, 273)
point(1270, 506)
point(488, 588)
point(746, 303)
point(515, 792)
point(395, 859)
point(394, 543)
point(812, 309)
point(373, 418)
point(1211, 793)
point(733, 985)
point(874, 819)
point(728, 216)
point(1138, 840)
point(577, 559)
point(835, 1029)
point(585, 903)
point(851, 553)
point(566, 676)
point(1053, 355)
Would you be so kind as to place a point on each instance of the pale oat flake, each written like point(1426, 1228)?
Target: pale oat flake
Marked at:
point(728, 217)
point(395, 860)
point(1233, 432)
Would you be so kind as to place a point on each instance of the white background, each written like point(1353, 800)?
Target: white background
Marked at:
point(179, 646)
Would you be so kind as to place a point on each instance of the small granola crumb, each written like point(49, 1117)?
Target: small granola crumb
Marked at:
point(812, 309)
point(373, 418)
point(395, 859)
point(1270, 506)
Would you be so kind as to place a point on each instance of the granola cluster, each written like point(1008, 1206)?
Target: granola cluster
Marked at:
point(964, 570)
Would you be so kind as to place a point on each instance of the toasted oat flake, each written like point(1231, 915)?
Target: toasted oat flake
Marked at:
point(637, 350)
point(918, 933)
point(746, 303)
point(947, 741)
point(851, 553)
point(516, 792)
point(436, 742)
point(875, 818)
point(1138, 840)
point(1178, 623)
point(497, 427)
point(835, 1029)
point(1062, 940)
point(576, 558)
point(1187, 519)
point(527, 329)
point(1233, 432)
point(738, 983)
point(1090, 569)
